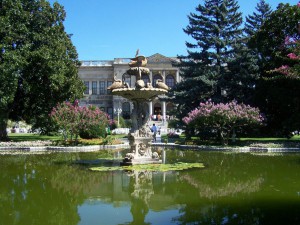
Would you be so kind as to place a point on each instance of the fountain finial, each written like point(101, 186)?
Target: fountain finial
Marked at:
point(137, 52)
point(138, 60)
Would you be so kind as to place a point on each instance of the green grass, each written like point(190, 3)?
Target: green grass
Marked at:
point(17, 137)
point(58, 140)
point(266, 141)
point(239, 141)
point(117, 136)
point(294, 138)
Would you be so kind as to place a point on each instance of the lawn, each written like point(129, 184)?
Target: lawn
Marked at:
point(58, 140)
point(265, 141)
point(17, 137)
point(262, 142)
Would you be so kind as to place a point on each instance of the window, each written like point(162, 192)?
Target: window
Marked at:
point(110, 112)
point(145, 78)
point(126, 78)
point(108, 84)
point(155, 78)
point(170, 81)
point(87, 87)
point(94, 87)
point(126, 110)
point(102, 88)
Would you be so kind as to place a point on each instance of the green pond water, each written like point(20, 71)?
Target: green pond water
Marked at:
point(233, 188)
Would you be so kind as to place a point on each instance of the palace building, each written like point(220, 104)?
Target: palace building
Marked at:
point(98, 75)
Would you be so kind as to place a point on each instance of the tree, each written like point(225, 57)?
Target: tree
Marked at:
point(224, 118)
point(39, 64)
point(252, 25)
point(239, 80)
point(256, 20)
point(268, 41)
point(277, 93)
point(215, 28)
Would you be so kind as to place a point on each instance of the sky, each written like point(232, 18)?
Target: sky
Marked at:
point(108, 29)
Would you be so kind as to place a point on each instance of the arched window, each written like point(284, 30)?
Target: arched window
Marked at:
point(126, 78)
point(155, 78)
point(145, 78)
point(157, 108)
point(170, 81)
point(126, 110)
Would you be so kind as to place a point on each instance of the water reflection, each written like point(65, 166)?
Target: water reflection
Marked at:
point(141, 190)
point(231, 189)
point(27, 197)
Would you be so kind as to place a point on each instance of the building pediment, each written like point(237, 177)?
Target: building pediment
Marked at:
point(158, 58)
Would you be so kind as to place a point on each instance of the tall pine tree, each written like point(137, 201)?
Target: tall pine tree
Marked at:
point(216, 29)
point(242, 74)
point(255, 21)
point(252, 25)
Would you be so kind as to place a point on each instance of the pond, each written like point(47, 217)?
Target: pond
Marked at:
point(233, 188)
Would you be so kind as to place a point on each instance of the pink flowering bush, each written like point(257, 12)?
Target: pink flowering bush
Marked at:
point(223, 118)
point(73, 120)
point(292, 45)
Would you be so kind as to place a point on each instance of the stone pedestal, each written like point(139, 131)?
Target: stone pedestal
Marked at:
point(141, 152)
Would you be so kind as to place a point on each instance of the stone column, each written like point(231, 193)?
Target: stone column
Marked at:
point(150, 108)
point(90, 87)
point(164, 110)
point(177, 76)
point(151, 76)
point(164, 76)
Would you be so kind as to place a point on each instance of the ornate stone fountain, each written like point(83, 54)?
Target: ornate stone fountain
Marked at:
point(140, 136)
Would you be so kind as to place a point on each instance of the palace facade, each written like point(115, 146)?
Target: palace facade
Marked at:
point(98, 75)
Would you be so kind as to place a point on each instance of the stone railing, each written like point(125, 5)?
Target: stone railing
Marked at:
point(122, 60)
point(96, 63)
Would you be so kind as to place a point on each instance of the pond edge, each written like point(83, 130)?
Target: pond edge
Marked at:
point(93, 148)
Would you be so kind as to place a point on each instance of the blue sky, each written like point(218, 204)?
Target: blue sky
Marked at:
point(108, 29)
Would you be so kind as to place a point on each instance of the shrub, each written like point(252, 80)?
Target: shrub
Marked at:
point(73, 120)
point(173, 123)
point(172, 135)
point(223, 118)
point(92, 132)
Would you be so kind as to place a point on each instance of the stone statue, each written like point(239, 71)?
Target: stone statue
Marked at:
point(138, 61)
point(116, 84)
point(161, 84)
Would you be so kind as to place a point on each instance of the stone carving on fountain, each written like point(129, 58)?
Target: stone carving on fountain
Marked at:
point(140, 136)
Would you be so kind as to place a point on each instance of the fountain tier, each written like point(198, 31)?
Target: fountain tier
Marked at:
point(143, 94)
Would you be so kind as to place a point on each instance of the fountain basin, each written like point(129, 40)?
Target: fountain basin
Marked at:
point(135, 94)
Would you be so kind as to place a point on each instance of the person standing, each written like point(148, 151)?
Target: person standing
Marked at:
point(154, 130)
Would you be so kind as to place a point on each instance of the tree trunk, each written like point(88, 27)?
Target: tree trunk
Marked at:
point(3, 126)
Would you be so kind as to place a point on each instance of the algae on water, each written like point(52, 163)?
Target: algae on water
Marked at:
point(151, 167)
